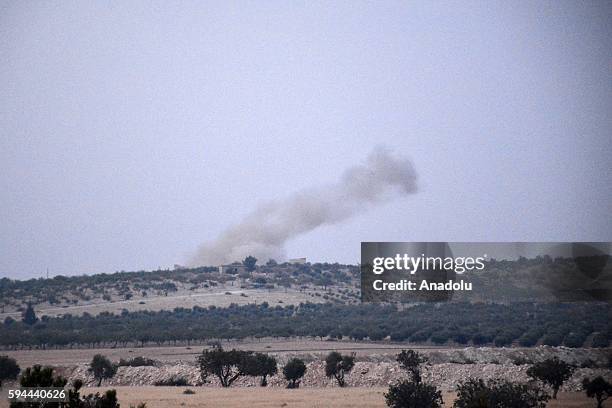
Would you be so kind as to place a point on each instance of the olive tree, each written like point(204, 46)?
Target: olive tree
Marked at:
point(102, 368)
point(597, 388)
point(261, 365)
point(227, 366)
point(411, 361)
point(293, 371)
point(552, 372)
point(413, 393)
point(337, 366)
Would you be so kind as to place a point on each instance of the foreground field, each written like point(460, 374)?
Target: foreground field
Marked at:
point(374, 370)
point(170, 397)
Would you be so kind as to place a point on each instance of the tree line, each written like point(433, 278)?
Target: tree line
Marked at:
point(524, 324)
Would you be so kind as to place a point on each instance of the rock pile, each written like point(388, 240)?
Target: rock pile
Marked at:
point(445, 369)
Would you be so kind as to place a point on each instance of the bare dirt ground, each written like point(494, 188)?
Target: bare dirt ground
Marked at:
point(257, 397)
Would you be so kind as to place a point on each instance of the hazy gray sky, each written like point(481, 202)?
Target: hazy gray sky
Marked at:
point(131, 132)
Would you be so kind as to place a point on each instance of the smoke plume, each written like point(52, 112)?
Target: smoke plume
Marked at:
point(263, 232)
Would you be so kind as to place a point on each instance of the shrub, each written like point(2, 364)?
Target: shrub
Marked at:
point(43, 377)
point(9, 369)
point(174, 381)
point(189, 391)
point(38, 376)
point(409, 394)
point(106, 400)
point(293, 371)
point(475, 393)
point(137, 362)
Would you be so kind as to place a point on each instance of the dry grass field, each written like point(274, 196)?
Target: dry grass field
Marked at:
point(172, 397)
point(221, 296)
point(67, 357)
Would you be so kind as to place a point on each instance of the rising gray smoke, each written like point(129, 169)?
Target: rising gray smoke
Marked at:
point(264, 232)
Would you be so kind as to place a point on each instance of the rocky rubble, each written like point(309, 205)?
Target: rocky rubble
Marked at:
point(503, 355)
point(445, 369)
